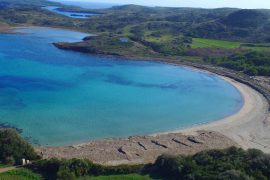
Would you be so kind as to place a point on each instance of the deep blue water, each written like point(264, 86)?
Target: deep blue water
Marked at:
point(60, 97)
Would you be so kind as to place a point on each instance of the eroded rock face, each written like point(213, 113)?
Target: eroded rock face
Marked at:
point(140, 149)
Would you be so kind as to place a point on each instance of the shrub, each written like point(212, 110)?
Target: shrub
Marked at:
point(78, 167)
point(229, 164)
point(251, 63)
point(13, 147)
point(9, 160)
point(65, 174)
point(233, 175)
point(64, 169)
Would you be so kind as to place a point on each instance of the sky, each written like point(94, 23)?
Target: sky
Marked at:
point(250, 4)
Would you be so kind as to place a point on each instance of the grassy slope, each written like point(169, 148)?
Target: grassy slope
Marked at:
point(213, 43)
point(22, 174)
point(258, 48)
point(157, 30)
point(209, 43)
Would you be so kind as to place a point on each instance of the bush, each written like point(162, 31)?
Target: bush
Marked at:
point(9, 160)
point(251, 63)
point(79, 167)
point(229, 164)
point(67, 169)
point(233, 175)
point(13, 147)
point(65, 174)
point(50, 166)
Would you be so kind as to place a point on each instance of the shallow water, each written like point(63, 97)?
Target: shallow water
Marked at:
point(60, 97)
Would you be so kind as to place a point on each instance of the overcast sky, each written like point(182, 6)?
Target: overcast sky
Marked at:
point(251, 4)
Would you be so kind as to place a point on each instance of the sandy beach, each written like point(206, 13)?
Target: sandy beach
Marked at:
point(248, 128)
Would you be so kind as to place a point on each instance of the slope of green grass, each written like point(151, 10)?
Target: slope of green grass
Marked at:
point(257, 47)
point(21, 174)
point(118, 177)
point(212, 43)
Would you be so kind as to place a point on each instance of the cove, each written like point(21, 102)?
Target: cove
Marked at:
point(59, 97)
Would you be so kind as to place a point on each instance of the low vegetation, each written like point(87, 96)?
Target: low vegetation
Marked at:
point(213, 43)
point(228, 164)
point(21, 174)
point(118, 177)
point(252, 63)
point(74, 168)
point(108, 44)
point(13, 148)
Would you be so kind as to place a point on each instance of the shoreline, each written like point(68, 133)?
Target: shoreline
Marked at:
point(248, 127)
point(244, 128)
point(253, 114)
point(197, 127)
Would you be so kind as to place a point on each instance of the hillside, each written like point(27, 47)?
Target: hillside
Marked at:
point(226, 23)
point(157, 32)
point(138, 21)
point(28, 2)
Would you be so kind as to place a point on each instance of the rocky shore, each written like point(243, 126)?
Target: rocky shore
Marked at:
point(140, 149)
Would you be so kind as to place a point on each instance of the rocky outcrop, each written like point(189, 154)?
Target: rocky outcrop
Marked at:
point(83, 47)
point(79, 47)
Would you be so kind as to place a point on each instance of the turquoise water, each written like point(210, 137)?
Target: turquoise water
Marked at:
point(78, 15)
point(60, 97)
